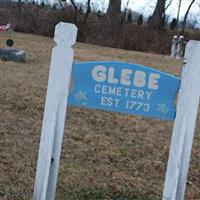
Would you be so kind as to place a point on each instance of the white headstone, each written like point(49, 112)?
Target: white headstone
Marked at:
point(174, 46)
point(180, 47)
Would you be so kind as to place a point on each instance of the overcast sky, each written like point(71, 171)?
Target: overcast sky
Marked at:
point(147, 6)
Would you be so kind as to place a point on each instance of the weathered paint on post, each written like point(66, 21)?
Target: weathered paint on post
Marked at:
point(55, 111)
point(184, 126)
point(123, 87)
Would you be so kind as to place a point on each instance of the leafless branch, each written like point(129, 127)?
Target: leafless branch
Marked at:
point(168, 5)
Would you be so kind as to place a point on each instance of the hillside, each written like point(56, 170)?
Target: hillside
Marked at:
point(105, 156)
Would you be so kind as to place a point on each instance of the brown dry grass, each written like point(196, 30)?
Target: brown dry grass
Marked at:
point(105, 155)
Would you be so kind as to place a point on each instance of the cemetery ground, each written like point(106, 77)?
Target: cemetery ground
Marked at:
point(105, 156)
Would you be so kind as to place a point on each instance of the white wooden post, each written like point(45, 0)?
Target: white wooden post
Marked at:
point(55, 111)
point(184, 125)
point(174, 46)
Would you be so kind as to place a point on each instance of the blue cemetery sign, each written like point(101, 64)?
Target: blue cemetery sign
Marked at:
point(123, 87)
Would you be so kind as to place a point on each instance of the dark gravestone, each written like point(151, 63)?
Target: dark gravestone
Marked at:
point(13, 55)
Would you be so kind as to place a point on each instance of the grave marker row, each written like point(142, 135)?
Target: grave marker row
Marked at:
point(178, 47)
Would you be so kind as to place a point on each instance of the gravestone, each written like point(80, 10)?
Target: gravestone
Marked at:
point(178, 47)
point(13, 55)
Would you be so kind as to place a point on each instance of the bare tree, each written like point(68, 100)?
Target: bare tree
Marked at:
point(168, 5)
point(61, 4)
point(125, 10)
point(88, 11)
point(186, 15)
point(114, 12)
point(75, 10)
point(157, 20)
point(178, 14)
point(19, 8)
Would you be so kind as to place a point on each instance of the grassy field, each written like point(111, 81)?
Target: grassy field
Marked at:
point(105, 156)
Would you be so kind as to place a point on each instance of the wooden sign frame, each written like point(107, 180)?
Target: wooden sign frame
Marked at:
point(55, 113)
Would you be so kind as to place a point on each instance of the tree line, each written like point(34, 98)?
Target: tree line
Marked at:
point(114, 14)
point(113, 26)
point(158, 19)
